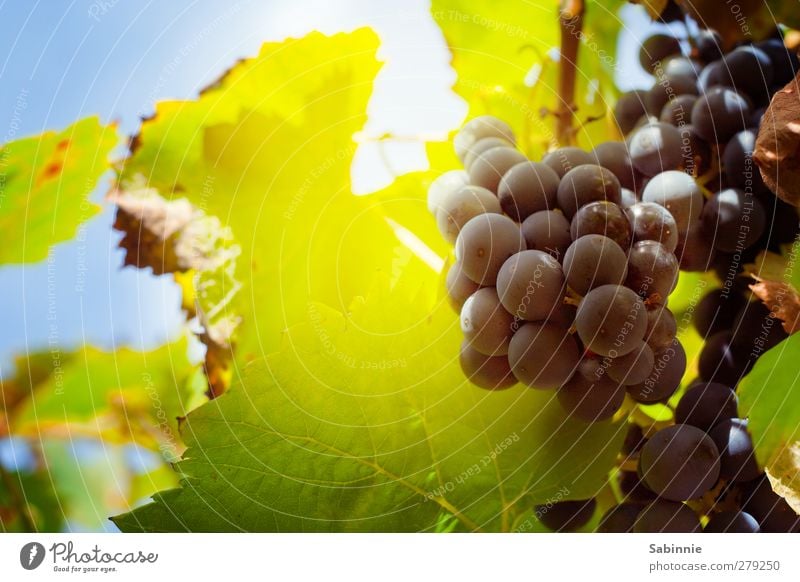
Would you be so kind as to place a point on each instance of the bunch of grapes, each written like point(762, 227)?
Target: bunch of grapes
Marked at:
point(564, 268)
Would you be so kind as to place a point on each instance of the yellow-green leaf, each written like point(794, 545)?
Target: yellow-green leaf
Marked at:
point(45, 182)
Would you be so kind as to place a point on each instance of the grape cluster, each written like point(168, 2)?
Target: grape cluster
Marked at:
point(562, 274)
point(564, 268)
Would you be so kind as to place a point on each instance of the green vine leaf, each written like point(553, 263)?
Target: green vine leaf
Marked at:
point(45, 182)
point(364, 422)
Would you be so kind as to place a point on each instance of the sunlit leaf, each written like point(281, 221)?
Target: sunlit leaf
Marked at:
point(45, 182)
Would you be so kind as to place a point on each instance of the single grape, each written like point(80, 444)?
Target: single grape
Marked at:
point(566, 516)
point(604, 218)
point(706, 404)
point(526, 188)
point(695, 250)
point(665, 378)
point(771, 511)
point(590, 395)
point(486, 325)
point(661, 326)
point(755, 331)
point(736, 219)
point(611, 320)
point(543, 355)
point(615, 157)
point(489, 372)
point(749, 70)
point(632, 368)
point(678, 193)
point(484, 244)
point(718, 362)
point(484, 145)
point(680, 66)
point(634, 490)
point(459, 207)
point(785, 64)
point(565, 159)
point(656, 148)
point(652, 269)
point(732, 522)
point(713, 75)
point(619, 519)
point(585, 184)
point(719, 114)
point(668, 88)
point(708, 43)
point(459, 286)
point(657, 48)
point(650, 221)
point(548, 231)
point(717, 311)
point(634, 440)
point(443, 185)
point(531, 285)
point(488, 168)
point(480, 128)
point(680, 462)
point(666, 517)
point(737, 457)
point(594, 260)
point(740, 168)
point(629, 109)
point(696, 158)
point(678, 111)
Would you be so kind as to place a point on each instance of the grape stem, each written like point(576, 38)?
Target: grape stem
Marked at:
point(571, 23)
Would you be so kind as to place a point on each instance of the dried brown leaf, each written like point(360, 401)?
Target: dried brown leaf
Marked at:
point(777, 151)
point(782, 300)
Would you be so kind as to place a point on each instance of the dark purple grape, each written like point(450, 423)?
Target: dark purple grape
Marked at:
point(785, 64)
point(713, 75)
point(526, 188)
point(665, 379)
point(566, 516)
point(543, 355)
point(668, 88)
point(680, 462)
point(749, 71)
point(619, 519)
point(611, 320)
point(565, 159)
point(614, 156)
point(735, 220)
point(755, 331)
point(590, 395)
point(603, 218)
point(719, 114)
point(667, 517)
point(695, 251)
point(548, 231)
point(695, 152)
point(656, 48)
point(708, 43)
point(585, 184)
point(740, 169)
point(678, 193)
point(737, 457)
point(485, 243)
point(706, 404)
point(718, 362)
point(459, 286)
point(681, 67)
point(530, 285)
point(771, 511)
point(732, 522)
point(489, 168)
point(632, 368)
point(678, 110)
point(485, 324)
point(717, 311)
point(629, 109)
point(656, 148)
point(652, 270)
point(661, 326)
point(489, 372)
point(480, 128)
point(651, 221)
point(634, 490)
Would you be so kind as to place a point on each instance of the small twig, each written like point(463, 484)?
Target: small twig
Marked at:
point(571, 23)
